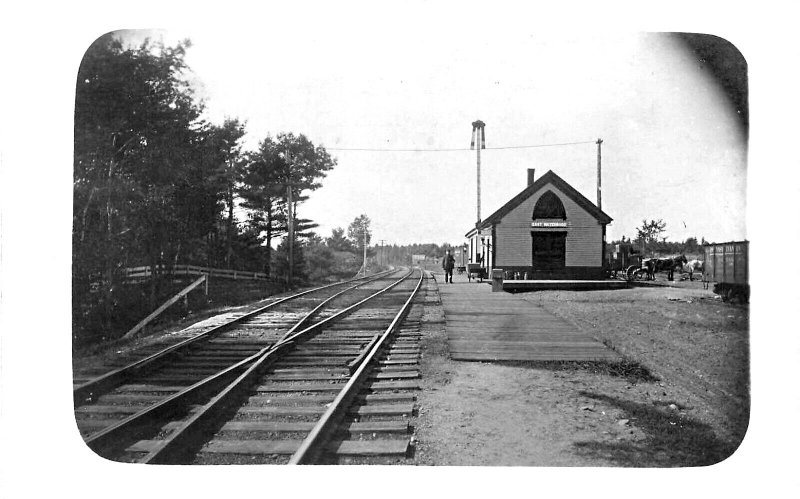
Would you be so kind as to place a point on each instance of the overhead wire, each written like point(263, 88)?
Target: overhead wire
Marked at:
point(453, 150)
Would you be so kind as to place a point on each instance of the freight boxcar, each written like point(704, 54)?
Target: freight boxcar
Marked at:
point(726, 265)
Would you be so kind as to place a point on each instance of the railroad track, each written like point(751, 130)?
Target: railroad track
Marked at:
point(338, 390)
point(116, 394)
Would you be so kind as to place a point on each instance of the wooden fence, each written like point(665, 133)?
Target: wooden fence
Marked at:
point(143, 273)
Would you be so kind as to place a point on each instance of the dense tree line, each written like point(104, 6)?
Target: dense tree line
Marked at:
point(401, 254)
point(650, 241)
point(157, 185)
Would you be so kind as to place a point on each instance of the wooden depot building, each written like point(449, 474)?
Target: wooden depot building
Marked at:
point(549, 231)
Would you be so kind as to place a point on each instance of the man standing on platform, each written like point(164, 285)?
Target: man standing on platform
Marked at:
point(448, 262)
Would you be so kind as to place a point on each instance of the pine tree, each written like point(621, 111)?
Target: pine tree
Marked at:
point(224, 146)
point(338, 241)
point(285, 163)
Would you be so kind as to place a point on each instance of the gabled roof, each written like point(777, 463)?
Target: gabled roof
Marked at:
point(561, 185)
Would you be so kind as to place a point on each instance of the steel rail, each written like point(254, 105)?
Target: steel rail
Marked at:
point(126, 430)
point(93, 388)
point(131, 425)
point(313, 445)
point(123, 432)
point(302, 322)
point(184, 440)
point(216, 378)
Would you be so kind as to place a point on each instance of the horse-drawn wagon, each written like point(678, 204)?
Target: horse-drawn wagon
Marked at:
point(726, 265)
point(623, 261)
point(632, 266)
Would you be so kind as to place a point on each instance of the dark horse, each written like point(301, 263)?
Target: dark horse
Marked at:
point(669, 265)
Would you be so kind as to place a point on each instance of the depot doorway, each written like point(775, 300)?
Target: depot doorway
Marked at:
point(549, 250)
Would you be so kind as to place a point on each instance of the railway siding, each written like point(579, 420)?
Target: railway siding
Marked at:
point(296, 388)
point(290, 399)
point(179, 362)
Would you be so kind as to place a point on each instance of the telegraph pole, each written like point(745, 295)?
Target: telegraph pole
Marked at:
point(600, 200)
point(289, 222)
point(599, 189)
point(291, 233)
point(364, 228)
point(479, 136)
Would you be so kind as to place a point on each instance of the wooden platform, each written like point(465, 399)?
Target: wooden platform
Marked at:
point(514, 286)
point(482, 325)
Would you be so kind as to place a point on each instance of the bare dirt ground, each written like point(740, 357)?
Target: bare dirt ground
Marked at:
point(692, 411)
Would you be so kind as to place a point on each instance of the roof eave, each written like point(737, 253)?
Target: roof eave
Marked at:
point(562, 185)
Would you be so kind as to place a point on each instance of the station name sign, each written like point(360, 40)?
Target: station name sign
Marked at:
point(548, 224)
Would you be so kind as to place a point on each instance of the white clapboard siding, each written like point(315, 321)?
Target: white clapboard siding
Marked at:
point(584, 235)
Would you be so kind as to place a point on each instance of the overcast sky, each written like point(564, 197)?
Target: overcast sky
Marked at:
point(671, 149)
